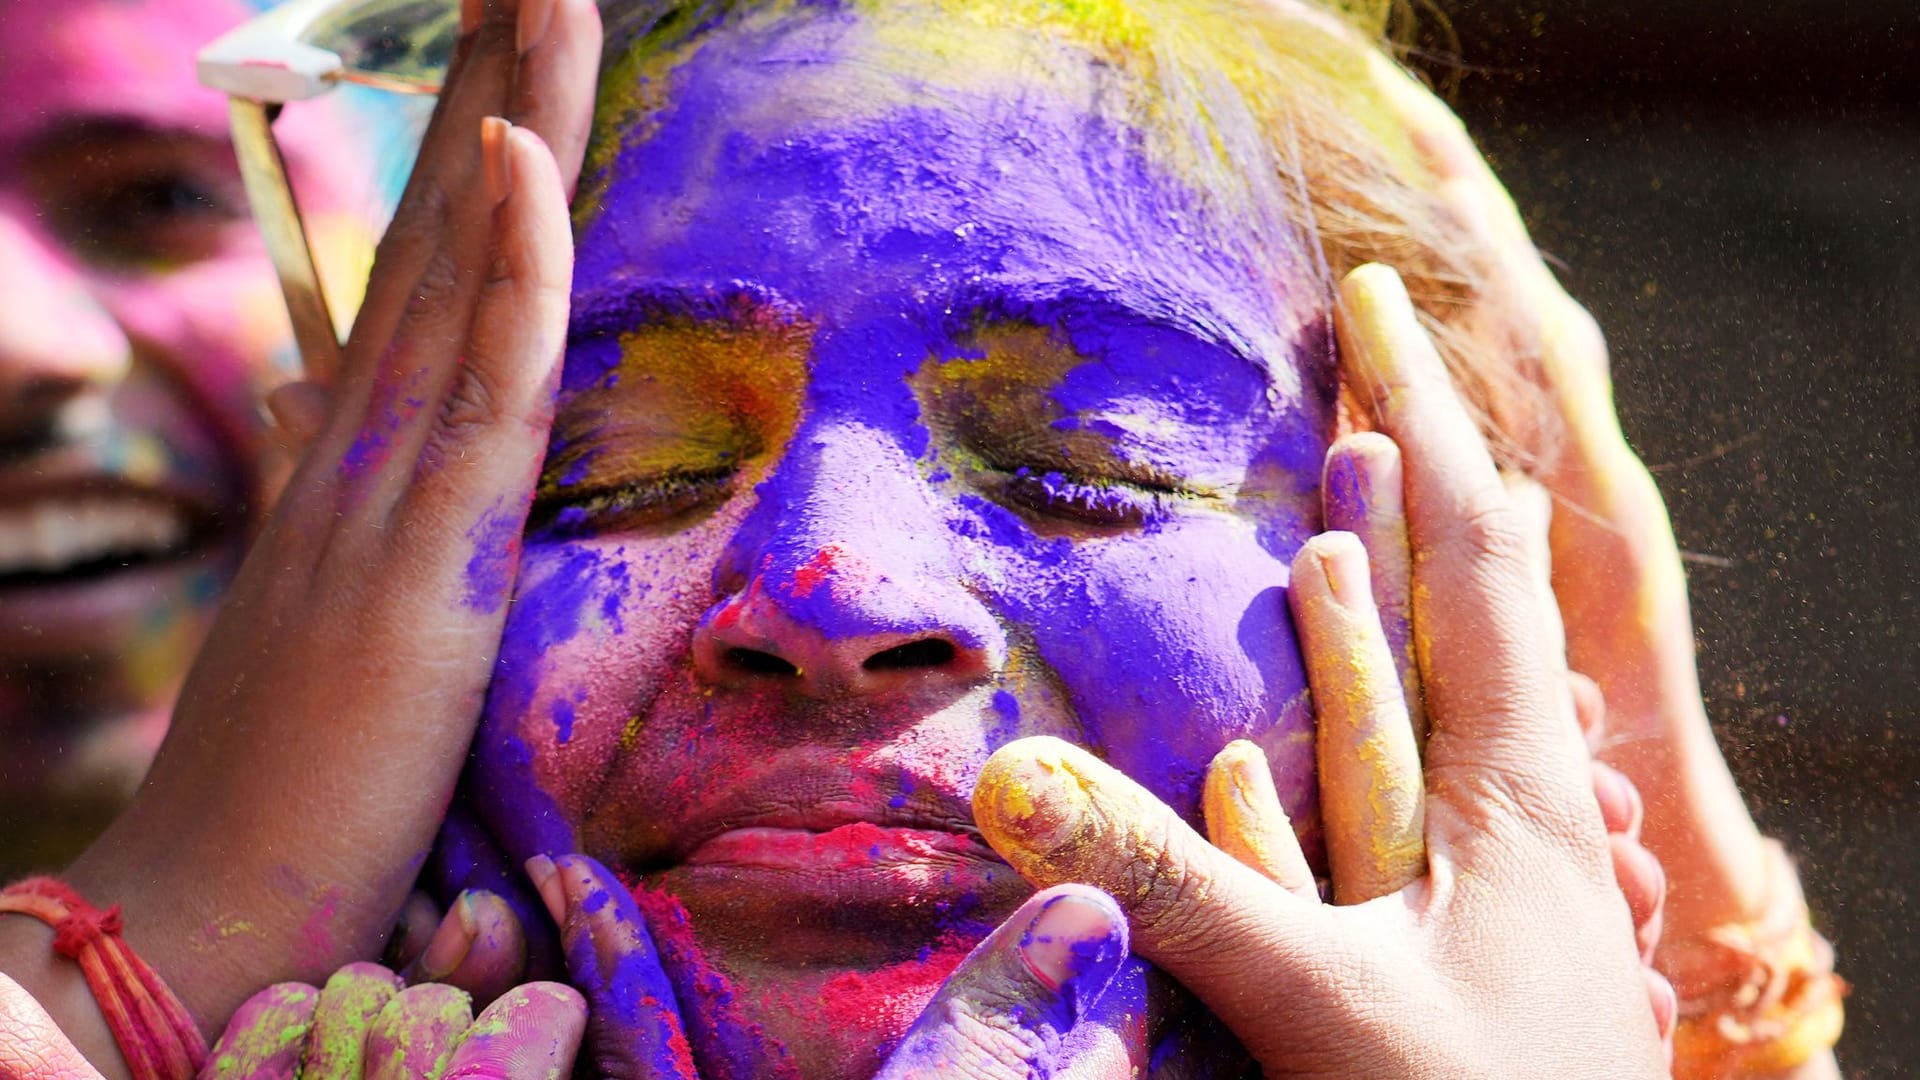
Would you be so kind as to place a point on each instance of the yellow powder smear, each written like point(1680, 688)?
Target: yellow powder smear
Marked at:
point(630, 734)
point(1024, 804)
point(1373, 797)
point(220, 930)
point(1058, 814)
point(1245, 819)
point(1001, 390)
point(686, 396)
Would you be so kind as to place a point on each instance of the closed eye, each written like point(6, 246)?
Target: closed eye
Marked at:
point(638, 504)
point(1086, 500)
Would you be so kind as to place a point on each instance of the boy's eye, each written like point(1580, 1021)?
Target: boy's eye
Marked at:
point(166, 218)
point(134, 200)
point(592, 510)
point(158, 199)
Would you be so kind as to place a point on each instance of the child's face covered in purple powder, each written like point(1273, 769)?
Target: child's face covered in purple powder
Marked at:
point(908, 410)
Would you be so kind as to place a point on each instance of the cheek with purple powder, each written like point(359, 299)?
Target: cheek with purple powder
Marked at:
point(598, 628)
point(1166, 644)
point(1149, 585)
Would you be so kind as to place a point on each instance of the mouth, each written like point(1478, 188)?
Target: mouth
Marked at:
point(90, 560)
point(860, 863)
point(857, 896)
point(117, 531)
point(78, 536)
point(837, 882)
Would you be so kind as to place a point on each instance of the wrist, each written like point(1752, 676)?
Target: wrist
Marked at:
point(27, 956)
point(220, 920)
point(1758, 996)
point(189, 915)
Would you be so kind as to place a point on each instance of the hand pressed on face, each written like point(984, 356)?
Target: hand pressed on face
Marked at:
point(1465, 967)
point(1617, 575)
point(316, 745)
point(1618, 578)
point(1051, 992)
point(634, 1028)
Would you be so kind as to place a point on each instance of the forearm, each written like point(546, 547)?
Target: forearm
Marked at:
point(1697, 824)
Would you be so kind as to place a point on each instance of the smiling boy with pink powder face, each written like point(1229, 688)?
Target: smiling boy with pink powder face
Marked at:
point(139, 322)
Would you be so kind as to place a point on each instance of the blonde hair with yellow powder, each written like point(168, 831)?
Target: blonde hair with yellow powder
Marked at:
point(1298, 101)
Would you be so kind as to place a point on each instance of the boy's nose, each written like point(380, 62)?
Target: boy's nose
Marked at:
point(55, 341)
point(845, 581)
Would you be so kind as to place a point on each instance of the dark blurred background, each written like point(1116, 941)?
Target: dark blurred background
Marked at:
point(1733, 188)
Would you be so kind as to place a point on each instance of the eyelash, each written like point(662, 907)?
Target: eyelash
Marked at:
point(572, 513)
point(1088, 500)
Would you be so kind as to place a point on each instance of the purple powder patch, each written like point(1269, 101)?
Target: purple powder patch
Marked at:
point(496, 551)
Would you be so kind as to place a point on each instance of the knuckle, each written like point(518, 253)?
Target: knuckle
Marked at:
point(502, 270)
point(419, 222)
point(969, 1044)
point(437, 287)
point(1004, 1046)
point(1165, 892)
point(1494, 534)
point(1581, 340)
point(529, 256)
point(473, 401)
point(1546, 810)
point(524, 281)
point(1379, 702)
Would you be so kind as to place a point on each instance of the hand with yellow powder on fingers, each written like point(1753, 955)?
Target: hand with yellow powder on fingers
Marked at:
point(1450, 971)
point(1758, 996)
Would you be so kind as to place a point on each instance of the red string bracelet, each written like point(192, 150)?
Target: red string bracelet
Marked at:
point(1757, 996)
point(154, 1033)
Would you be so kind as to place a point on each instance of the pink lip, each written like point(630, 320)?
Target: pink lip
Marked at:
point(71, 472)
point(800, 791)
point(854, 896)
point(850, 864)
point(852, 867)
point(858, 846)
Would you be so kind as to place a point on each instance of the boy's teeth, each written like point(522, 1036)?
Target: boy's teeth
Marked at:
point(56, 534)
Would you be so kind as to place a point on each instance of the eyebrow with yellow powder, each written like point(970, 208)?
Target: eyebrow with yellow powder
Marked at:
point(689, 387)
